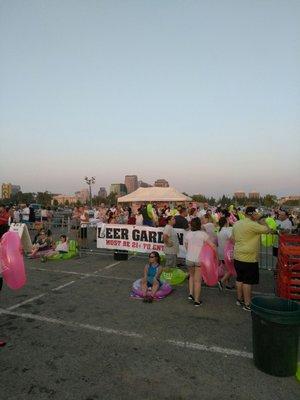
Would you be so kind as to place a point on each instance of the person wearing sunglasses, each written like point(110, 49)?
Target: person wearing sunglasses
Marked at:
point(43, 243)
point(152, 272)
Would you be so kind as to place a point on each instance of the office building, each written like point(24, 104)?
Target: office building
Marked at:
point(83, 195)
point(161, 183)
point(288, 198)
point(63, 199)
point(240, 194)
point(9, 190)
point(102, 192)
point(131, 183)
point(143, 184)
point(118, 188)
point(254, 195)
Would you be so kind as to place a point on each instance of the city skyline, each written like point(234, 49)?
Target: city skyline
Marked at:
point(205, 94)
point(251, 194)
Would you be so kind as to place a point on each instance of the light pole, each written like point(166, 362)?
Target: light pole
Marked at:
point(90, 182)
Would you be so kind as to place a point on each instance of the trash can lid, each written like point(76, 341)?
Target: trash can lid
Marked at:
point(277, 310)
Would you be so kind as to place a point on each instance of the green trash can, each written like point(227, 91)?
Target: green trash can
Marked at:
point(275, 333)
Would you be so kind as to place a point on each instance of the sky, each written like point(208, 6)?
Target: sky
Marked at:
point(205, 94)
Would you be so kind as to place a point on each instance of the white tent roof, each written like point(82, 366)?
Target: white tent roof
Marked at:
point(154, 194)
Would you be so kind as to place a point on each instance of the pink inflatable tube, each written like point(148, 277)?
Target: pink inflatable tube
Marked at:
point(13, 269)
point(228, 257)
point(164, 290)
point(209, 265)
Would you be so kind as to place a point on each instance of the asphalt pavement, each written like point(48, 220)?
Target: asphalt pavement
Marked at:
point(74, 332)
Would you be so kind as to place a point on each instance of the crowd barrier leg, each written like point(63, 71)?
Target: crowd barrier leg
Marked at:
point(266, 259)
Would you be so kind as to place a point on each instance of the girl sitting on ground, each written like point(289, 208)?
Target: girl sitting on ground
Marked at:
point(43, 244)
point(152, 272)
point(62, 247)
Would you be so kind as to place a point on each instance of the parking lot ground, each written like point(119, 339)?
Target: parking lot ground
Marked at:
point(74, 332)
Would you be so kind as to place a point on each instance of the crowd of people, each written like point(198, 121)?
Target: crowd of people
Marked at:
point(156, 216)
point(25, 213)
point(211, 225)
point(215, 227)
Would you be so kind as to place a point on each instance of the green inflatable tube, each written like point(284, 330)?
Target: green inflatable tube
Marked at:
point(150, 211)
point(73, 251)
point(173, 276)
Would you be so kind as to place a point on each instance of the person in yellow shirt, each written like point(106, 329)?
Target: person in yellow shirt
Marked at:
point(246, 235)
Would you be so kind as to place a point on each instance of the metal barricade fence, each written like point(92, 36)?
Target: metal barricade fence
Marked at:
point(61, 225)
point(266, 259)
point(58, 226)
point(71, 228)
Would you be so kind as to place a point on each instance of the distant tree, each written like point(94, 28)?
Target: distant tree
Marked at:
point(112, 198)
point(212, 201)
point(21, 198)
point(225, 201)
point(269, 200)
point(55, 203)
point(200, 198)
point(44, 198)
point(97, 200)
point(240, 201)
point(292, 203)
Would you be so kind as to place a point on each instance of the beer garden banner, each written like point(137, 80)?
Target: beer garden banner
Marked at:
point(143, 239)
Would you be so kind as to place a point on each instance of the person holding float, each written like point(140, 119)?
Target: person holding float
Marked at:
point(194, 241)
point(152, 272)
point(11, 263)
point(224, 234)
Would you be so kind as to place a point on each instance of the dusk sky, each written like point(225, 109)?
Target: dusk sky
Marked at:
point(205, 94)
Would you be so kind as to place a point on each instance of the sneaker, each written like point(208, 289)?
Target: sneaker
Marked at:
point(229, 287)
point(150, 300)
point(191, 297)
point(239, 303)
point(43, 259)
point(247, 307)
point(197, 303)
point(220, 285)
point(145, 300)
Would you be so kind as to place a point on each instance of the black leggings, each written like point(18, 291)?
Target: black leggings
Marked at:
point(1, 283)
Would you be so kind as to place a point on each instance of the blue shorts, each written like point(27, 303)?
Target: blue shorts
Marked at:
point(150, 284)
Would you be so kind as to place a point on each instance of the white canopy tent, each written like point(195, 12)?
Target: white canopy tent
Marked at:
point(154, 194)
